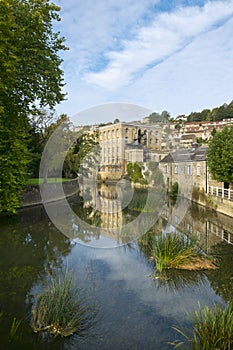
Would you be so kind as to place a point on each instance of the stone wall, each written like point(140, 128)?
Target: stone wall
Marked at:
point(219, 204)
point(31, 195)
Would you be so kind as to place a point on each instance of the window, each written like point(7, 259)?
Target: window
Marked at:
point(189, 170)
point(166, 169)
point(176, 169)
point(198, 171)
point(190, 228)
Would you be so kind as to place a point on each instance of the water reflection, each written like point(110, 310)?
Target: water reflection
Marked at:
point(221, 280)
point(29, 247)
point(112, 215)
point(175, 279)
point(102, 207)
point(136, 311)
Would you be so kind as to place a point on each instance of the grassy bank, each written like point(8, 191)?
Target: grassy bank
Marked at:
point(37, 181)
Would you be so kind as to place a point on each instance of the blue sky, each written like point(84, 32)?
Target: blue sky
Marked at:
point(163, 55)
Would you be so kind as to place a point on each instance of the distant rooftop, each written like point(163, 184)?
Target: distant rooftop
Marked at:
point(186, 155)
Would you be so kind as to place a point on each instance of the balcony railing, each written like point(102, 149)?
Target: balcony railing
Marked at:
point(221, 192)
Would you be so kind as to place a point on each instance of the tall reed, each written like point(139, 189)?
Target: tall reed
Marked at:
point(174, 250)
point(212, 329)
point(59, 309)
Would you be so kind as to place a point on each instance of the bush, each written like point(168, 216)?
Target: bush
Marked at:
point(134, 171)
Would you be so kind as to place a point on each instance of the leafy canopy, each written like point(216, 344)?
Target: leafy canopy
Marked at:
point(220, 155)
point(30, 77)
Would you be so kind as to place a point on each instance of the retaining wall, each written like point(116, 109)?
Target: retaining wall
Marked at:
point(31, 195)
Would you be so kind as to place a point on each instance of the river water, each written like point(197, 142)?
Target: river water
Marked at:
point(133, 310)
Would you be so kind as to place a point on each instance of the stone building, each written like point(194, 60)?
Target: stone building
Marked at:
point(188, 168)
point(126, 142)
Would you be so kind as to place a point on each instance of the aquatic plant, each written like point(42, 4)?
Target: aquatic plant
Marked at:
point(16, 324)
point(212, 329)
point(60, 309)
point(174, 250)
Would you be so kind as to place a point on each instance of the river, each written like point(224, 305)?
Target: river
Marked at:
point(133, 310)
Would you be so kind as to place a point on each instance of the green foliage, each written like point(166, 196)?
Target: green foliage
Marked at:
point(174, 190)
point(159, 118)
point(13, 163)
point(216, 114)
point(212, 329)
point(60, 309)
point(220, 155)
point(30, 75)
point(135, 173)
point(83, 156)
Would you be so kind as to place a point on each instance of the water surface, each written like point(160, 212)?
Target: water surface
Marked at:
point(134, 311)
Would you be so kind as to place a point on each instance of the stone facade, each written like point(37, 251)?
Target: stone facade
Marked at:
point(187, 167)
point(126, 142)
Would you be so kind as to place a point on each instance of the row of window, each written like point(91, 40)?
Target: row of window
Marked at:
point(112, 133)
point(111, 150)
point(187, 170)
point(110, 169)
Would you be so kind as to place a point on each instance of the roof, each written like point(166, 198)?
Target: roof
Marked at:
point(186, 155)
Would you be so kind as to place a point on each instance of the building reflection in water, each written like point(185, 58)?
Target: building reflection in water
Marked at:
point(208, 226)
point(113, 203)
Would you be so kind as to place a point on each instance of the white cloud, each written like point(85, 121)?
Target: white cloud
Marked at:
point(94, 27)
point(168, 33)
point(200, 76)
point(190, 70)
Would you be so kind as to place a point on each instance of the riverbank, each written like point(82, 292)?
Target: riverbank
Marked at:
point(31, 195)
point(218, 204)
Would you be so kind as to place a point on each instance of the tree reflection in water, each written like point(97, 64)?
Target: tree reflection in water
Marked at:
point(28, 252)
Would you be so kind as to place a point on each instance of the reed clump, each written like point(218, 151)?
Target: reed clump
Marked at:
point(212, 329)
point(59, 309)
point(174, 250)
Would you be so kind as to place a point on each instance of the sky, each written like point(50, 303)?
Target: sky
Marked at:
point(174, 55)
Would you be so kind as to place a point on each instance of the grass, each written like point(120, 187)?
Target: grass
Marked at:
point(37, 181)
point(60, 310)
point(212, 329)
point(177, 251)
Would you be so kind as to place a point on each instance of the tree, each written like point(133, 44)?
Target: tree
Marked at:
point(82, 159)
point(166, 115)
point(30, 77)
point(155, 118)
point(220, 155)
